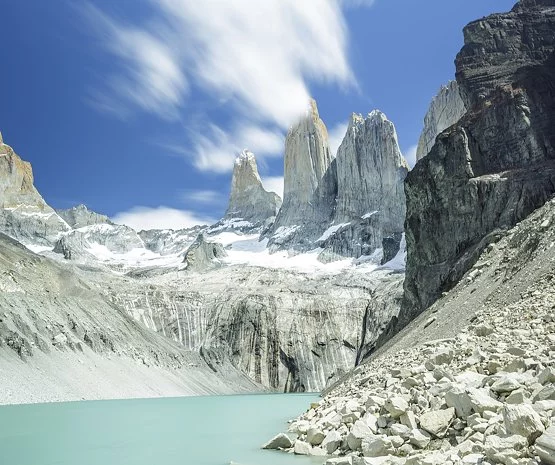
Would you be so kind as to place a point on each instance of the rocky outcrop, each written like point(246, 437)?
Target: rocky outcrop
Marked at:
point(203, 255)
point(370, 198)
point(249, 201)
point(24, 215)
point(497, 164)
point(80, 216)
point(446, 109)
point(309, 183)
point(168, 241)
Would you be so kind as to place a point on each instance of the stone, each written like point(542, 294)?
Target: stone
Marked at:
point(302, 448)
point(396, 406)
point(481, 400)
point(506, 383)
point(280, 441)
point(315, 436)
point(460, 400)
point(437, 422)
point(331, 442)
point(409, 420)
point(546, 393)
point(522, 420)
point(358, 431)
point(376, 446)
point(547, 376)
point(420, 438)
point(340, 461)
point(545, 446)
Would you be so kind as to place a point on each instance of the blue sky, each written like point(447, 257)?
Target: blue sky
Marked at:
point(137, 108)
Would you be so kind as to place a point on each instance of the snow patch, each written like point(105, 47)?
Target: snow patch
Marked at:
point(331, 231)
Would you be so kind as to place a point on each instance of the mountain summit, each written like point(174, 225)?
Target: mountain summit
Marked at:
point(249, 200)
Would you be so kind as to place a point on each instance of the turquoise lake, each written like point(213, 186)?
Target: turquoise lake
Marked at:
point(176, 431)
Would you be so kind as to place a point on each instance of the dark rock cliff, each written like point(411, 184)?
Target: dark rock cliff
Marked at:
point(497, 164)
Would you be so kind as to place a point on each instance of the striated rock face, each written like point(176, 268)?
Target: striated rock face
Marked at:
point(309, 181)
point(370, 176)
point(24, 214)
point(351, 206)
point(80, 216)
point(497, 164)
point(446, 109)
point(249, 200)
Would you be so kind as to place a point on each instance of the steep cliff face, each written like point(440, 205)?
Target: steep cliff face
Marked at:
point(309, 182)
point(287, 331)
point(347, 205)
point(249, 201)
point(446, 109)
point(24, 215)
point(497, 164)
point(370, 173)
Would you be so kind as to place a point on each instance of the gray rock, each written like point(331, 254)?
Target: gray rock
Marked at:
point(446, 109)
point(491, 169)
point(280, 441)
point(545, 446)
point(437, 422)
point(523, 420)
point(396, 406)
point(249, 201)
point(204, 255)
point(331, 442)
point(302, 448)
point(315, 436)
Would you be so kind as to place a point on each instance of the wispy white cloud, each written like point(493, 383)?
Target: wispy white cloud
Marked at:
point(151, 74)
point(357, 3)
point(336, 135)
point(410, 155)
point(258, 57)
point(273, 184)
point(217, 149)
point(141, 218)
point(204, 197)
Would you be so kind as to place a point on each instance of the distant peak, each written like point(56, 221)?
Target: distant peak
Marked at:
point(245, 155)
point(377, 115)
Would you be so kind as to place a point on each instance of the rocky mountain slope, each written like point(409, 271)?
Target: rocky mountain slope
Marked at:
point(215, 293)
point(446, 109)
point(470, 381)
point(497, 164)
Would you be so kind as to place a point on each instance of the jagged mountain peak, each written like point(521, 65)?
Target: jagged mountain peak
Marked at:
point(249, 201)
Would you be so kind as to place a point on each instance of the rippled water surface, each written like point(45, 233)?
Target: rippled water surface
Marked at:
point(186, 431)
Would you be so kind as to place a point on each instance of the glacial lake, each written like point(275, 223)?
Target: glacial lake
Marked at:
point(172, 431)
